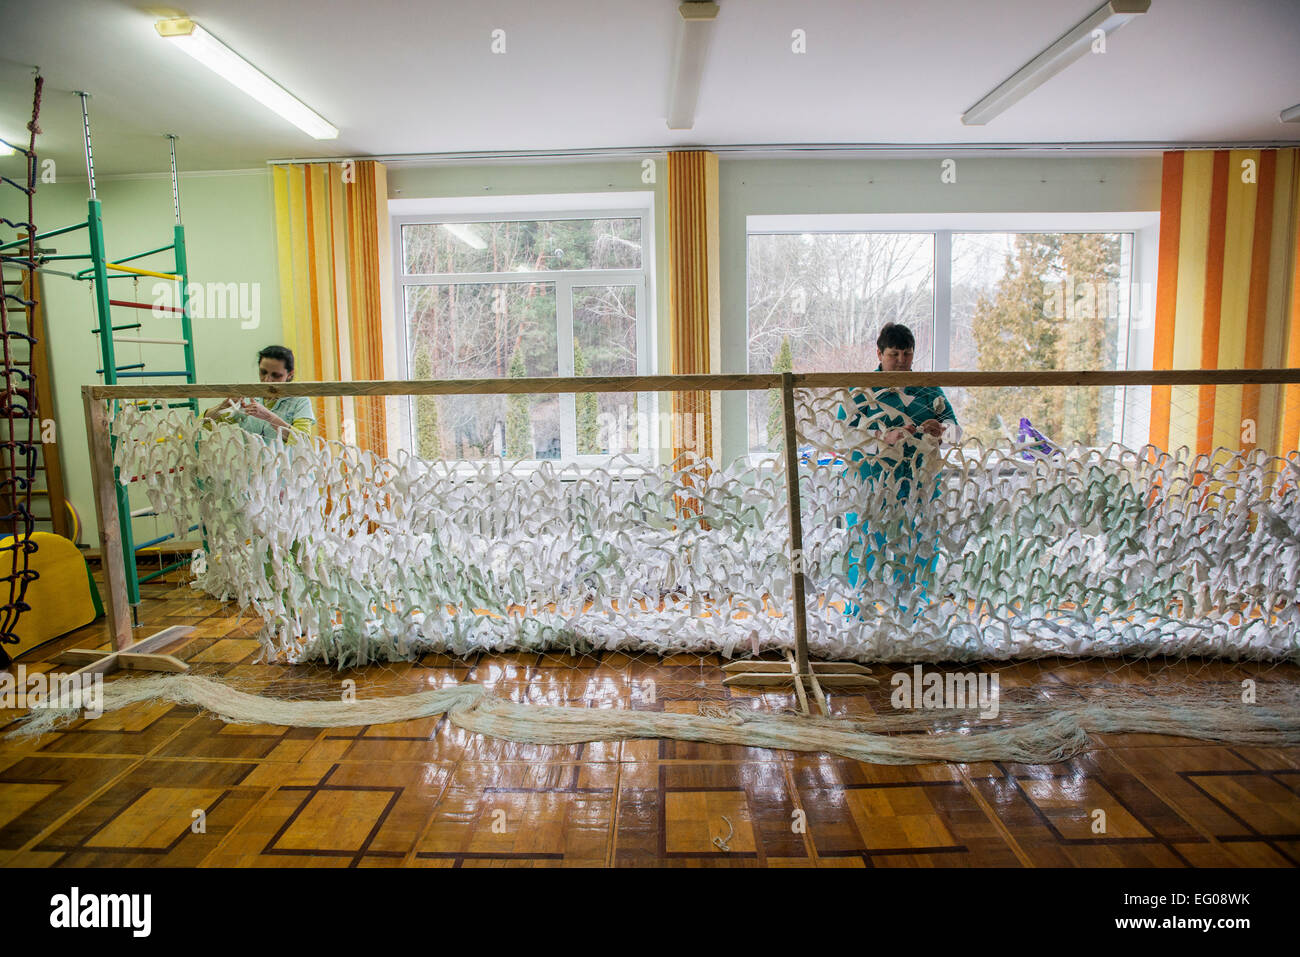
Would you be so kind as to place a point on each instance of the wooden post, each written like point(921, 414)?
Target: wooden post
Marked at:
point(141, 656)
point(791, 439)
point(800, 672)
point(106, 518)
point(50, 461)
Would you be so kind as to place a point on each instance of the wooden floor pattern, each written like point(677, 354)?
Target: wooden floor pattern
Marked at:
point(163, 785)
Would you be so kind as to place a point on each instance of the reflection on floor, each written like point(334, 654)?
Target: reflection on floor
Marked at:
point(165, 785)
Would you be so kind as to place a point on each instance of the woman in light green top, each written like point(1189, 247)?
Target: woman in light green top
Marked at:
point(284, 416)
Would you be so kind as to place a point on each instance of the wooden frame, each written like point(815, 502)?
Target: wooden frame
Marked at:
point(741, 382)
point(806, 676)
point(51, 461)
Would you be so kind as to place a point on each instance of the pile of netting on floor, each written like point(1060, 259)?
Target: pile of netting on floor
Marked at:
point(1030, 728)
point(914, 548)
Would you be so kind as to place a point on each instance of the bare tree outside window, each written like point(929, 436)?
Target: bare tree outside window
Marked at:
point(828, 295)
point(468, 329)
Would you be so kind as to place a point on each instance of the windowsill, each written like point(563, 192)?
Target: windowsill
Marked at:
point(624, 468)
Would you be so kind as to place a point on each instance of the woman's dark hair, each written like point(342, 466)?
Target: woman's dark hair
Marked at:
point(282, 353)
point(895, 335)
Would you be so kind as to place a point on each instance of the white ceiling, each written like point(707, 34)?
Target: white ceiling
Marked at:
point(404, 76)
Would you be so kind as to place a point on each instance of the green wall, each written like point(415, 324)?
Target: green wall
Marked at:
point(230, 238)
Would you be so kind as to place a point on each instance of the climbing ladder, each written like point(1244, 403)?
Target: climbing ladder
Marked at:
point(19, 411)
point(114, 330)
point(47, 480)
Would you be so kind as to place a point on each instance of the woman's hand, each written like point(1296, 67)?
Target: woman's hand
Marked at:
point(894, 436)
point(256, 410)
point(218, 409)
point(932, 427)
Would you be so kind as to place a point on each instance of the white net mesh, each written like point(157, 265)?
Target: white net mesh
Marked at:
point(915, 547)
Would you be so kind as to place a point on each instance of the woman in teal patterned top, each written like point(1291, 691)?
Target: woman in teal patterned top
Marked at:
point(901, 413)
point(285, 416)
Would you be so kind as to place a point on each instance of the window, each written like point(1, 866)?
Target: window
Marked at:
point(1039, 301)
point(1059, 292)
point(817, 302)
point(497, 295)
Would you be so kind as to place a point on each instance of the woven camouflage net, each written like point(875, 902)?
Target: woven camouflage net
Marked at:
point(1019, 551)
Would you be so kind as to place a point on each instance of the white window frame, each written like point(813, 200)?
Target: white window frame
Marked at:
point(532, 208)
point(1136, 288)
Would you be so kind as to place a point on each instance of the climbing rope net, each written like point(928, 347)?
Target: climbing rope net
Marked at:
point(19, 415)
point(915, 547)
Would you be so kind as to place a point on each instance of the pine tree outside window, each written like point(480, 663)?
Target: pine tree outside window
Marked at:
point(1047, 291)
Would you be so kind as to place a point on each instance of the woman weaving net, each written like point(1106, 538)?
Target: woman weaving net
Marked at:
point(283, 417)
point(911, 421)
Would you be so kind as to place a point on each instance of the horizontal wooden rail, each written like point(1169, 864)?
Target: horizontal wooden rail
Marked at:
point(693, 383)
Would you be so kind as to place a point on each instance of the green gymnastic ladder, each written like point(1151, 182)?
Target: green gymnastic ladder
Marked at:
point(103, 268)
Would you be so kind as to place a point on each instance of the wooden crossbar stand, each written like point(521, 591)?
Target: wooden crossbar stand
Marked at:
point(139, 656)
point(831, 674)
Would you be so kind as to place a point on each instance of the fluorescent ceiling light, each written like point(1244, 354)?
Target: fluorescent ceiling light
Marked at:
point(1290, 115)
point(693, 35)
point(465, 235)
point(1108, 17)
point(229, 65)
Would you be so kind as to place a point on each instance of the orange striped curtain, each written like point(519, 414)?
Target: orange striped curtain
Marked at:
point(694, 300)
point(331, 224)
point(1227, 297)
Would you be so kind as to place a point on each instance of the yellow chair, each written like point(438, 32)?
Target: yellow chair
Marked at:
point(62, 599)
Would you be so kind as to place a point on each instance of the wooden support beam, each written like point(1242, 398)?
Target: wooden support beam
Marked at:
point(818, 696)
point(45, 404)
point(739, 382)
point(845, 681)
point(134, 662)
point(761, 679)
point(110, 532)
point(776, 674)
point(823, 668)
point(139, 656)
point(797, 680)
point(791, 441)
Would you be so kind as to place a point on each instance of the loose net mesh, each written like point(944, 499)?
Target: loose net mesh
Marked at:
point(915, 547)
point(428, 581)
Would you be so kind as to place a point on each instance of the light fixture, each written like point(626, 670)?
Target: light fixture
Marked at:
point(229, 65)
point(1290, 114)
point(465, 235)
point(6, 150)
point(1108, 18)
point(693, 35)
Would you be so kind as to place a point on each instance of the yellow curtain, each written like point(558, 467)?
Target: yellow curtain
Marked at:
point(1228, 298)
point(331, 223)
point(694, 300)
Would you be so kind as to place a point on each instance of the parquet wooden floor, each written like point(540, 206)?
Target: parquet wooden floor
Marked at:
point(163, 785)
